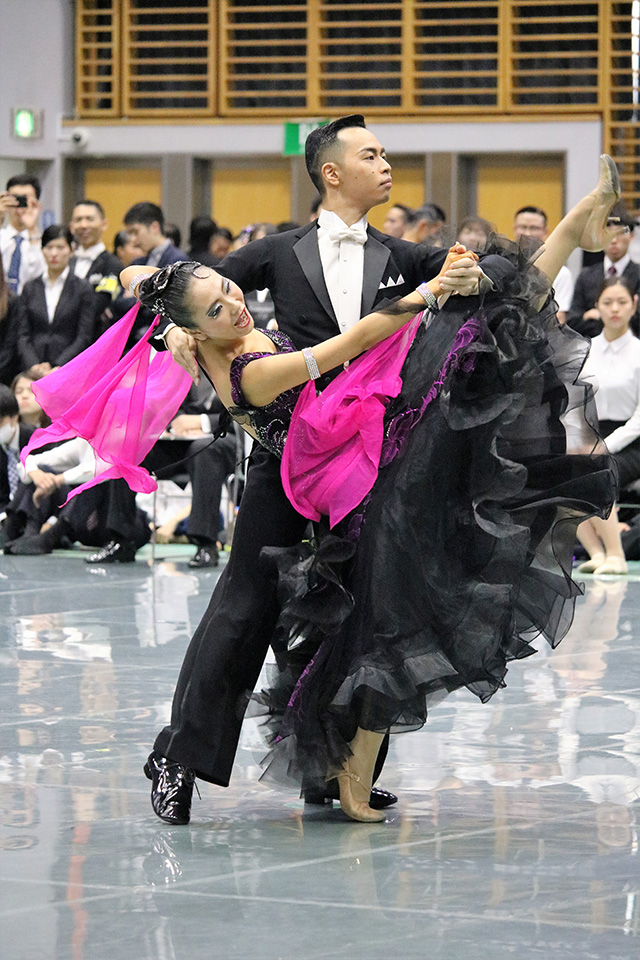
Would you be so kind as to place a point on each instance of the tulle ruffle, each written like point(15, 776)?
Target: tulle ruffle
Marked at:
point(463, 548)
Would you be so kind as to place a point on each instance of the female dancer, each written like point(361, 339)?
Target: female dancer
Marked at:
point(472, 496)
point(614, 364)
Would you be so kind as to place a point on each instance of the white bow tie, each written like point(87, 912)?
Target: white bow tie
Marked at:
point(355, 233)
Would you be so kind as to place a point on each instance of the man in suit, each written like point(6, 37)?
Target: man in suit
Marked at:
point(583, 314)
point(145, 223)
point(92, 261)
point(323, 278)
point(13, 437)
point(20, 237)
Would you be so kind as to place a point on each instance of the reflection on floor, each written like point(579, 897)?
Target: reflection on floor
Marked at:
point(516, 834)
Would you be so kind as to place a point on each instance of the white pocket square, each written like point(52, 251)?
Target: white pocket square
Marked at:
point(391, 282)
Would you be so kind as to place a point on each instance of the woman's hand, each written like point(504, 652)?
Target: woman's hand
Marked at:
point(45, 483)
point(460, 272)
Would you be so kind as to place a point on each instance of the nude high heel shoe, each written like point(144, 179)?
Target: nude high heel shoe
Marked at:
point(596, 233)
point(355, 778)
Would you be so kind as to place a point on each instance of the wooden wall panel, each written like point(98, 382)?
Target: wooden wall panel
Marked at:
point(245, 194)
point(118, 188)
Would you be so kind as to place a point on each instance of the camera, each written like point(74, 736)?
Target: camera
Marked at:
point(22, 198)
point(79, 137)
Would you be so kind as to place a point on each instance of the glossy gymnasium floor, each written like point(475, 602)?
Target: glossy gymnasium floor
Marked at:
point(516, 834)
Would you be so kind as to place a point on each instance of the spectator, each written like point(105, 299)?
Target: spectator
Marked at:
point(91, 260)
point(221, 243)
point(473, 232)
point(261, 230)
point(13, 437)
point(314, 210)
point(172, 232)
point(9, 318)
point(20, 238)
point(425, 225)
point(201, 233)
point(584, 315)
point(31, 413)
point(532, 222)
point(285, 225)
point(102, 515)
point(125, 249)
point(56, 310)
point(145, 223)
point(397, 220)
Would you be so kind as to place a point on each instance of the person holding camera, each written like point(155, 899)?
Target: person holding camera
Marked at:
point(20, 238)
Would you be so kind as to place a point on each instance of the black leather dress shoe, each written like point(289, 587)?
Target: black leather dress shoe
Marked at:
point(378, 800)
point(205, 557)
point(115, 552)
point(171, 789)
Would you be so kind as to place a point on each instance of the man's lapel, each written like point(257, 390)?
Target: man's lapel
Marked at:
point(376, 257)
point(306, 250)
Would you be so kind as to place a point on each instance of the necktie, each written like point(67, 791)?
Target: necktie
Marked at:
point(612, 272)
point(13, 277)
point(355, 234)
point(12, 470)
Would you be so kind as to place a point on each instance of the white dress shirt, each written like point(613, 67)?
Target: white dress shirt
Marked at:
point(84, 257)
point(343, 268)
point(613, 366)
point(75, 458)
point(52, 291)
point(563, 289)
point(619, 266)
point(32, 263)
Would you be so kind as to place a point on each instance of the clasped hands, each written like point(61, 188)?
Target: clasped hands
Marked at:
point(45, 483)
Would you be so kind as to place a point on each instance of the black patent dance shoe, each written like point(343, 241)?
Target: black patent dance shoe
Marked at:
point(171, 790)
point(378, 800)
point(115, 552)
point(204, 557)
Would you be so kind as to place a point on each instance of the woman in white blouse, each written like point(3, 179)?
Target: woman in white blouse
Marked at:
point(614, 364)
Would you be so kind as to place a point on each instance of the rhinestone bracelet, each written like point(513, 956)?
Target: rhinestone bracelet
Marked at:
point(311, 362)
point(135, 281)
point(429, 297)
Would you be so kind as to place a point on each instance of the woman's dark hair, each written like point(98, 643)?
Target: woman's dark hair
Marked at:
point(321, 140)
point(121, 239)
point(57, 231)
point(268, 229)
point(8, 403)
point(172, 232)
point(613, 282)
point(201, 229)
point(165, 292)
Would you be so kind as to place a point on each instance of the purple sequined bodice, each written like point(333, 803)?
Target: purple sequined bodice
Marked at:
point(269, 423)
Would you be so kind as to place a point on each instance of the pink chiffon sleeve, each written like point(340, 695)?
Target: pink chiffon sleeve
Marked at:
point(332, 452)
point(119, 404)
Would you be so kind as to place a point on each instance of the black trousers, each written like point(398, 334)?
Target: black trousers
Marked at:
point(208, 467)
point(627, 459)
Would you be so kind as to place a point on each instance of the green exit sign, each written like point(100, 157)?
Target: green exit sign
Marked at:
point(296, 133)
point(26, 124)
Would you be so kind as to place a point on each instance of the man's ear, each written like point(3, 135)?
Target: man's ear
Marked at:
point(329, 172)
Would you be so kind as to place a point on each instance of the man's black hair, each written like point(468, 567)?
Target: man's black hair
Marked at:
point(145, 213)
point(321, 140)
point(8, 403)
point(430, 212)
point(24, 180)
point(90, 203)
point(57, 231)
point(540, 212)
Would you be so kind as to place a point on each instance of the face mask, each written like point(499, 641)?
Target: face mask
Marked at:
point(7, 433)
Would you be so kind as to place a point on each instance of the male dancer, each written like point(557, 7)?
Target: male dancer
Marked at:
point(323, 278)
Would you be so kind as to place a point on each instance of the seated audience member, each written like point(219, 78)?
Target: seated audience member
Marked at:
point(91, 259)
point(125, 249)
point(221, 243)
point(201, 232)
point(9, 318)
point(397, 220)
point(102, 516)
point(584, 315)
point(208, 466)
point(473, 233)
point(145, 224)
point(31, 413)
point(532, 222)
point(614, 365)
point(425, 225)
point(13, 437)
point(20, 237)
point(314, 209)
point(56, 310)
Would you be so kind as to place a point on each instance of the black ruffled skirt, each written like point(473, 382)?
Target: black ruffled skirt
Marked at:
point(461, 555)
